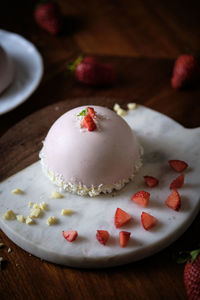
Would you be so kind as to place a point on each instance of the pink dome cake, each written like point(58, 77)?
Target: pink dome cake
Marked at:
point(6, 70)
point(90, 150)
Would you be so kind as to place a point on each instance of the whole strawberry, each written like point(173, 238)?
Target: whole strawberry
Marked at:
point(186, 71)
point(192, 276)
point(48, 16)
point(89, 71)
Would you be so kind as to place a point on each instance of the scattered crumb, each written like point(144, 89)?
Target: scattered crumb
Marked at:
point(121, 112)
point(116, 107)
point(35, 213)
point(2, 245)
point(17, 191)
point(131, 106)
point(29, 221)
point(43, 205)
point(9, 215)
point(51, 221)
point(66, 212)
point(56, 195)
point(30, 204)
point(36, 206)
point(9, 250)
point(20, 218)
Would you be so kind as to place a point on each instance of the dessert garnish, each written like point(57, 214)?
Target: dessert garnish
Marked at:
point(151, 181)
point(174, 200)
point(178, 165)
point(51, 221)
point(88, 122)
point(102, 236)
point(121, 218)
point(124, 237)
point(70, 235)
point(177, 183)
point(148, 221)
point(141, 198)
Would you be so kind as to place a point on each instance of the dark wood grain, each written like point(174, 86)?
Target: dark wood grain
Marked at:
point(140, 39)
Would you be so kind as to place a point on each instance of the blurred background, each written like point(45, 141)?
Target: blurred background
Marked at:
point(140, 39)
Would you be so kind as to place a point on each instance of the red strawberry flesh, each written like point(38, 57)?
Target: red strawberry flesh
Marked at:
point(88, 123)
point(178, 165)
point(91, 112)
point(174, 200)
point(148, 221)
point(102, 236)
point(124, 237)
point(177, 183)
point(141, 198)
point(70, 235)
point(151, 181)
point(121, 217)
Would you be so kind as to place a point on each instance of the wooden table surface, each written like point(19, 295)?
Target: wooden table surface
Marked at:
point(140, 39)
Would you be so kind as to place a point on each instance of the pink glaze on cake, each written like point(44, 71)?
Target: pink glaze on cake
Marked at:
point(6, 70)
point(107, 156)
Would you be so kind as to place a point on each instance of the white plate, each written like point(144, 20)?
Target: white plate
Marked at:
point(28, 70)
point(162, 139)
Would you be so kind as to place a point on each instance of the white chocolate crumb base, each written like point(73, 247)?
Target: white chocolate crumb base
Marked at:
point(82, 189)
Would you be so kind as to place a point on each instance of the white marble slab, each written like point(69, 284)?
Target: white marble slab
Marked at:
point(162, 139)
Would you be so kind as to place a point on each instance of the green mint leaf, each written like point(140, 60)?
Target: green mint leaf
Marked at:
point(194, 255)
point(83, 113)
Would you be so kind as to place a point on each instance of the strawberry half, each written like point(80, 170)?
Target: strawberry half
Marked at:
point(88, 123)
point(124, 237)
point(102, 236)
point(48, 17)
point(121, 217)
point(141, 198)
point(70, 235)
point(151, 181)
point(174, 200)
point(192, 276)
point(177, 183)
point(178, 165)
point(148, 221)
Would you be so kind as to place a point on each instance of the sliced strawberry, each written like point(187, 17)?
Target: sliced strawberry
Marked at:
point(178, 165)
point(151, 181)
point(121, 217)
point(124, 237)
point(102, 236)
point(141, 198)
point(177, 183)
point(70, 235)
point(91, 112)
point(148, 221)
point(88, 123)
point(174, 200)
